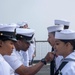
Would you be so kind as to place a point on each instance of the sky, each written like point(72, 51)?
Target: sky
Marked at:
point(39, 14)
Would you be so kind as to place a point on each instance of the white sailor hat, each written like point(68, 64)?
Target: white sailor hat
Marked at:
point(61, 22)
point(7, 32)
point(54, 28)
point(14, 24)
point(22, 23)
point(25, 34)
point(65, 34)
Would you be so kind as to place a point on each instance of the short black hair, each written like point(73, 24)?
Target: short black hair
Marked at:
point(66, 27)
point(55, 31)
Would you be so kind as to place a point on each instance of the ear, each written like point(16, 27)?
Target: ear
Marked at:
point(68, 44)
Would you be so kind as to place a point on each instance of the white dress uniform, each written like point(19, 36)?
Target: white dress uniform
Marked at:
point(57, 62)
point(69, 68)
point(19, 56)
point(25, 56)
point(5, 68)
point(27, 35)
point(31, 52)
point(13, 60)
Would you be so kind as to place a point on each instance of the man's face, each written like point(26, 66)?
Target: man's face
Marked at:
point(25, 45)
point(51, 39)
point(21, 45)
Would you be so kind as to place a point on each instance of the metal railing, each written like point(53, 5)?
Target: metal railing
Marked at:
point(42, 47)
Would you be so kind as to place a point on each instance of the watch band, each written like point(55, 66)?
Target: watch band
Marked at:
point(43, 61)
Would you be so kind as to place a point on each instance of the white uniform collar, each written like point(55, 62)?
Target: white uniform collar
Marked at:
point(70, 56)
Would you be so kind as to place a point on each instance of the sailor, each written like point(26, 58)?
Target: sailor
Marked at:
point(31, 52)
point(66, 24)
point(6, 48)
point(65, 46)
point(51, 40)
point(24, 36)
point(24, 54)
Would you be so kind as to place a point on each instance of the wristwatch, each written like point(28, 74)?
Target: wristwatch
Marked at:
point(43, 61)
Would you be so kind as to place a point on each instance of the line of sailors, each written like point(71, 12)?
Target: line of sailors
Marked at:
point(11, 62)
point(14, 39)
point(62, 41)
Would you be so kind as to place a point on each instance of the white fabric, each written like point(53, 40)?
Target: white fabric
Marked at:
point(25, 32)
point(54, 28)
point(9, 28)
point(19, 56)
point(14, 24)
point(61, 22)
point(34, 41)
point(22, 23)
point(13, 60)
point(69, 68)
point(65, 34)
point(5, 68)
point(25, 57)
point(31, 51)
point(57, 61)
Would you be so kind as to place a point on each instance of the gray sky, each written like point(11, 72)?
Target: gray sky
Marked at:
point(38, 13)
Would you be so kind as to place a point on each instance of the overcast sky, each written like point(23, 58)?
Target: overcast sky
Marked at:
point(38, 13)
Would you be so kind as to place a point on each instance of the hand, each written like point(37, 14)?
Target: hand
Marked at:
point(49, 56)
point(33, 55)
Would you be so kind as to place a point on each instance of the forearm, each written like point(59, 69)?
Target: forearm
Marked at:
point(23, 70)
point(34, 69)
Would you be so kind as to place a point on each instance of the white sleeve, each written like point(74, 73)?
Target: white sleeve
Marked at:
point(25, 57)
point(13, 60)
point(5, 68)
point(31, 51)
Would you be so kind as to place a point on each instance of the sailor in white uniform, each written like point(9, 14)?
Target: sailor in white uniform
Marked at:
point(65, 46)
point(22, 34)
point(30, 53)
point(51, 39)
point(52, 30)
point(24, 54)
point(6, 48)
point(66, 25)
